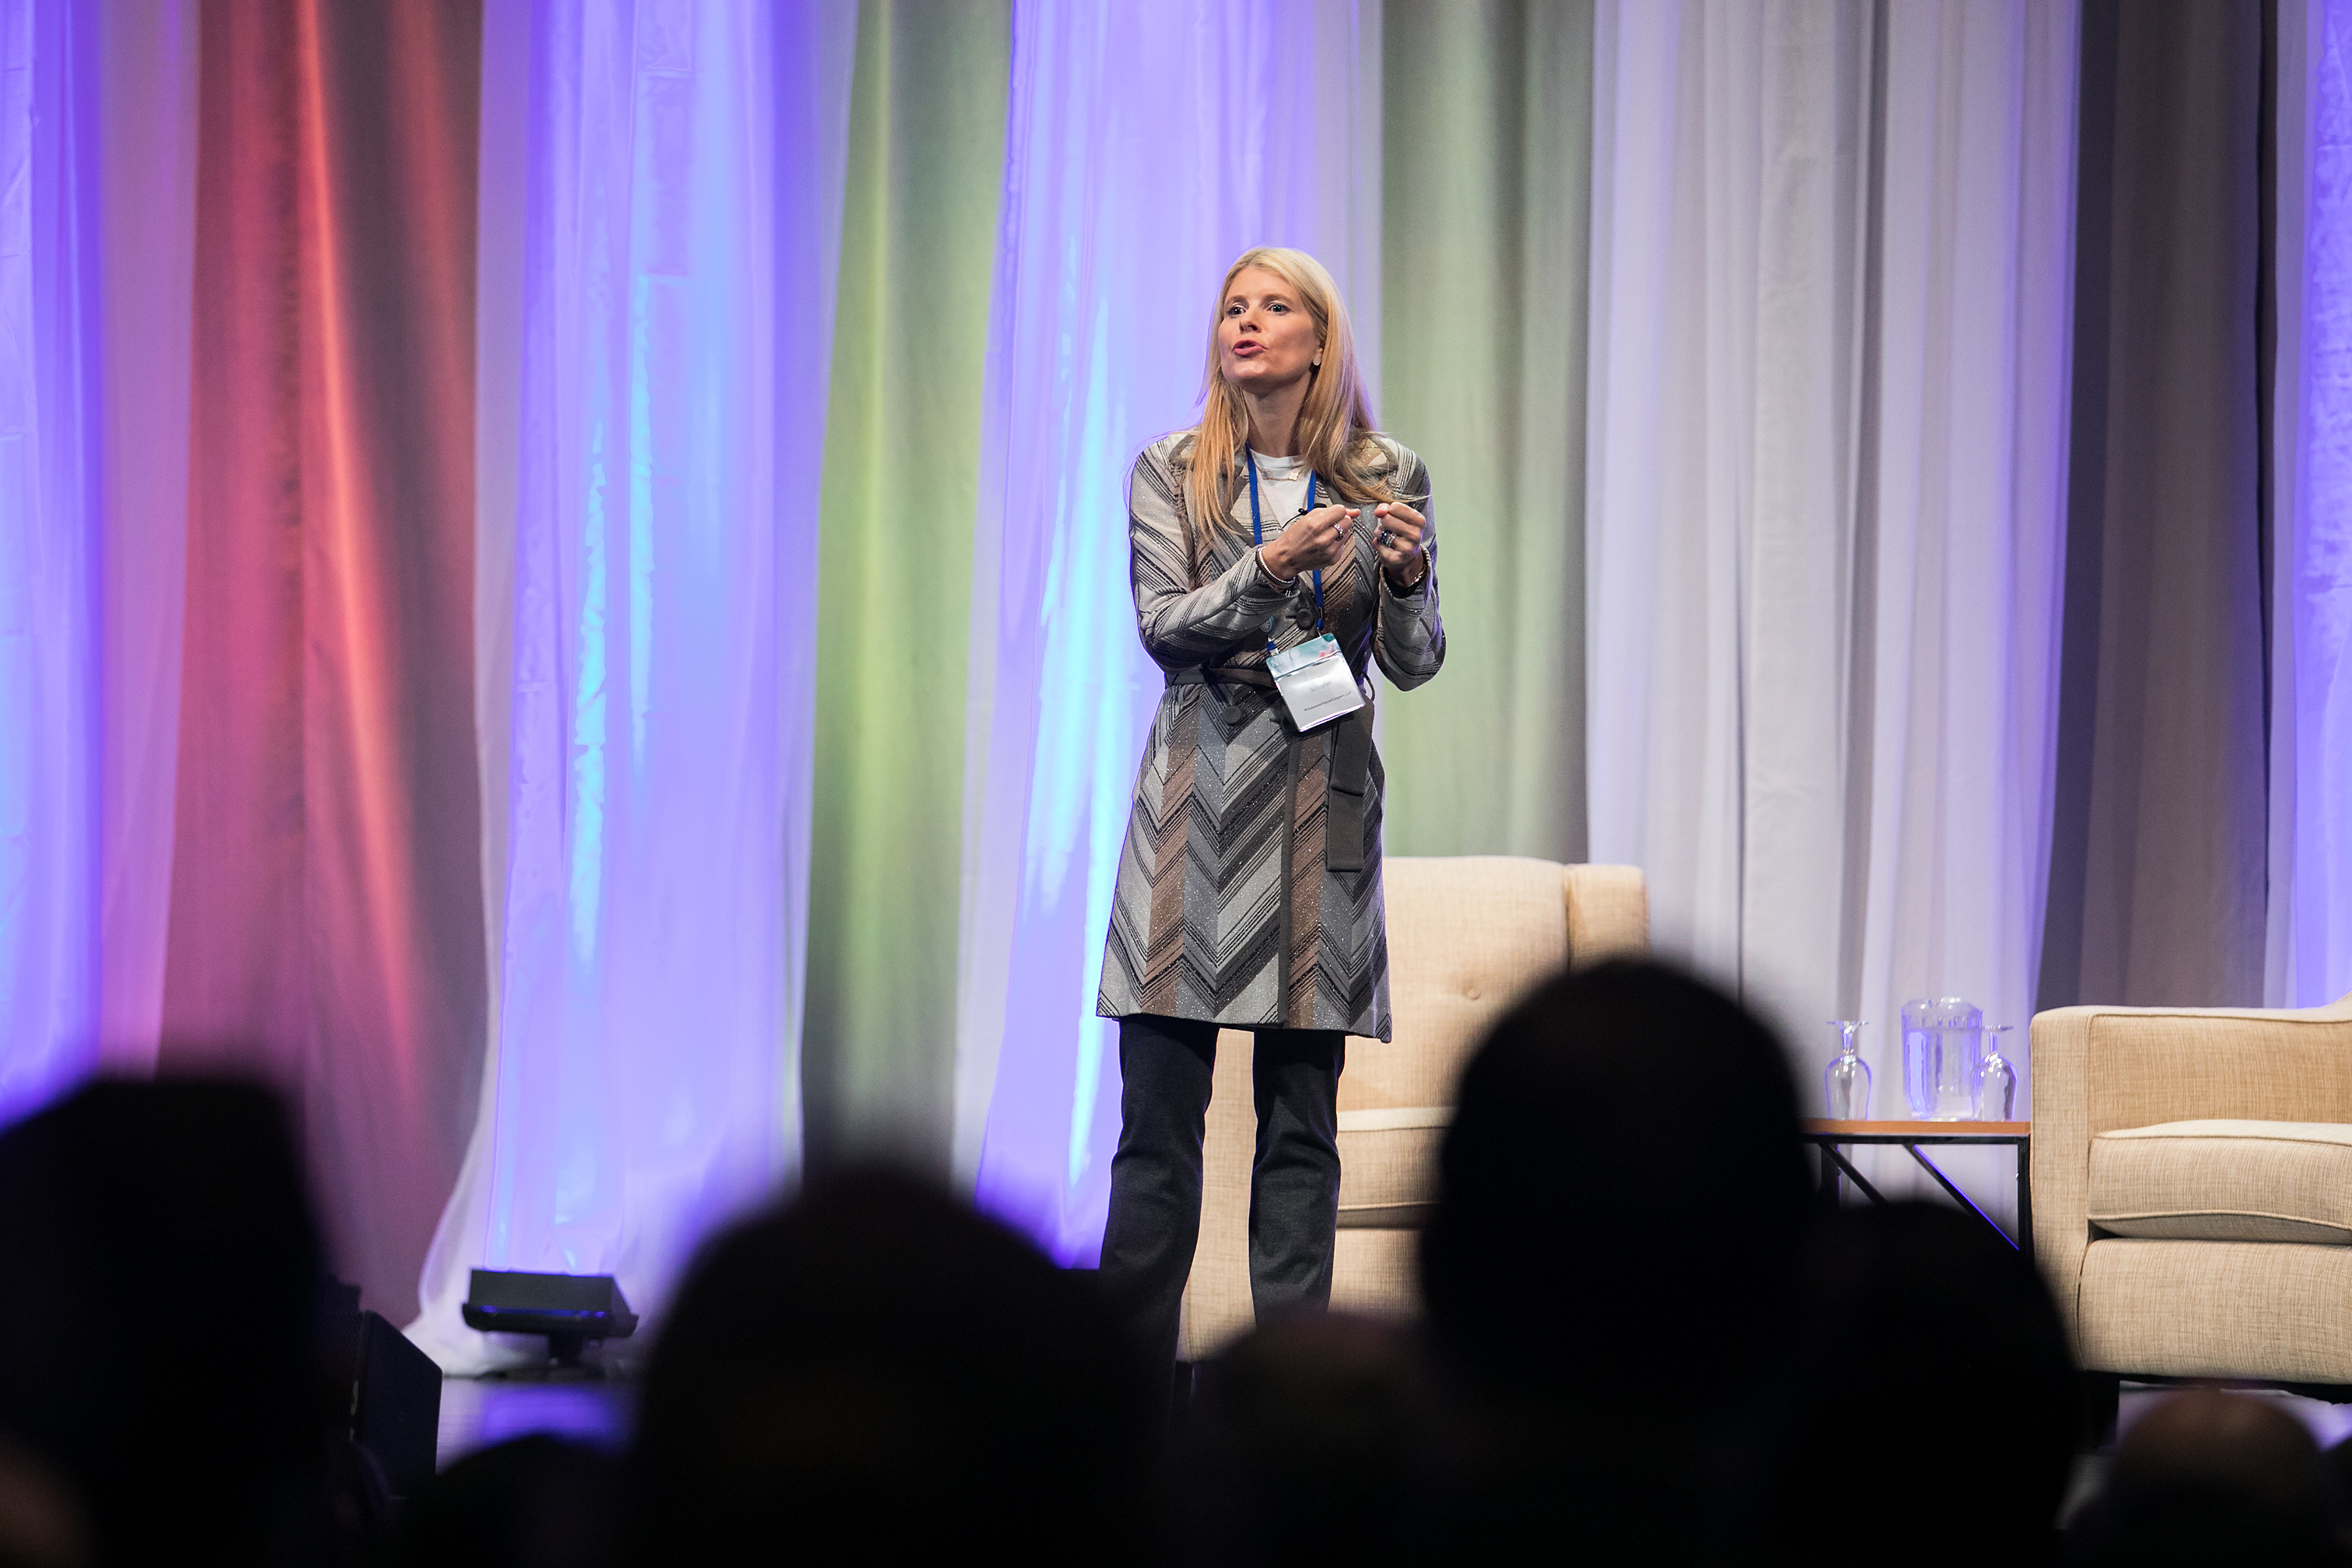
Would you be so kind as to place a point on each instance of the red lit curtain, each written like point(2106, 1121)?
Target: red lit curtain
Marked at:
point(325, 923)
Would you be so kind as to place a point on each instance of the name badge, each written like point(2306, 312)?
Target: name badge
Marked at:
point(1315, 681)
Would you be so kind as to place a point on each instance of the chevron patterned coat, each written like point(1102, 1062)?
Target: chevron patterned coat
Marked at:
point(1249, 886)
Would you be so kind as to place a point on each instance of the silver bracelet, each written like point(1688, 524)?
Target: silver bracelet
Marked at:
point(1272, 575)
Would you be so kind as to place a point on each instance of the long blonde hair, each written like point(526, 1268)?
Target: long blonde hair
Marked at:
point(1335, 424)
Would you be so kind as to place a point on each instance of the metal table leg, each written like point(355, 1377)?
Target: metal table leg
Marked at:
point(1856, 1177)
point(2025, 1198)
point(1959, 1197)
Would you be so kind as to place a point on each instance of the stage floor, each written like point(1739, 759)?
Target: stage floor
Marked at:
point(478, 1412)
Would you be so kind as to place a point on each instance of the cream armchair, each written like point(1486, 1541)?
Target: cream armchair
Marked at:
point(2193, 1188)
point(1467, 937)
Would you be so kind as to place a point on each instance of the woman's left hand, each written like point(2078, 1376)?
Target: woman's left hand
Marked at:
point(1398, 532)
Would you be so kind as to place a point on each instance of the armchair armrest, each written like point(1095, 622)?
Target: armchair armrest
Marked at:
point(2095, 1070)
point(1607, 912)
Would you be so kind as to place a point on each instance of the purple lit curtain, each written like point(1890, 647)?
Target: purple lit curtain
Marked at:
point(49, 554)
point(1145, 147)
point(96, 223)
point(678, 178)
point(2309, 937)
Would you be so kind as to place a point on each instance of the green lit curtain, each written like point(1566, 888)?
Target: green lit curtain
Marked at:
point(900, 482)
point(1485, 211)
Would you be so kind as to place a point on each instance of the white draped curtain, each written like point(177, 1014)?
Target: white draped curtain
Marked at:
point(1825, 502)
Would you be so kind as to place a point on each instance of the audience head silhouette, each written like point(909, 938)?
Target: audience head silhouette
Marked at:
point(2209, 1476)
point(1333, 1408)
point(158, 1249)
point(1916, 1320)
point(880, 1373)
point(1641, 1342)
point(1621, 1183)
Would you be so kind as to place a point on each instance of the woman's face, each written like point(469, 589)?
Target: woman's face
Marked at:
point(1265, 336)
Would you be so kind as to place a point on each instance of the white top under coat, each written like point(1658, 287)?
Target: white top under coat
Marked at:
point(1281, 490)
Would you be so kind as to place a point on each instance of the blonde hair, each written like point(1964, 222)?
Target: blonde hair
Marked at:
point(1334, 425)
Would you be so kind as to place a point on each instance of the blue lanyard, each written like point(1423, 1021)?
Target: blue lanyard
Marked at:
point(1257, 535)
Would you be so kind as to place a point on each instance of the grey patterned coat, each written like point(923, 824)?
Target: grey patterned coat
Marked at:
point(1249, 886)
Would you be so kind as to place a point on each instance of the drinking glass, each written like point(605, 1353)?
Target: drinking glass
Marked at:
point(1846, 1085)
point(1998, 1100)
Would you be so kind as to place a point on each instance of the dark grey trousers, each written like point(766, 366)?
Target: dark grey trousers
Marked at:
point(1155, 1177)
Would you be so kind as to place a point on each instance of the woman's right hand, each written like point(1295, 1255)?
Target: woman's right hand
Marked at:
point(1310, 544)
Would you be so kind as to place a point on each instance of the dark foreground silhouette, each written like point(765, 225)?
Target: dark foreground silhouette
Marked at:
point(1641, 1343)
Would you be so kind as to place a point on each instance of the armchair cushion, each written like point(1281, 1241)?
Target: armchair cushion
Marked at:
point(2225, 1181)
point(2217, 1309)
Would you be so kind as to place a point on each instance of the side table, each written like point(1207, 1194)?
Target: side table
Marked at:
point(1831, 1137)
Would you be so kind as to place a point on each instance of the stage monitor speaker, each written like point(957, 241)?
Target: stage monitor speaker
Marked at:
point(569, 1309)
point(394, 1407)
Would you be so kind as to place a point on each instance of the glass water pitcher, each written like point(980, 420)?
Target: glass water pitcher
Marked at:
point(1943, 1058)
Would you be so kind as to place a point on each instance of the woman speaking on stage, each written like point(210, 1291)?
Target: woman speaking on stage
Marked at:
point(1277, 550)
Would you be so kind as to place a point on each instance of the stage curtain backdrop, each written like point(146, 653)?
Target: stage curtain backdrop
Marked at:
point(1830, 270)
point(901, 461)
point(97, 143)
point(1145, 148)
point(680, 193)
point(549, 613)
point(1486, 171)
